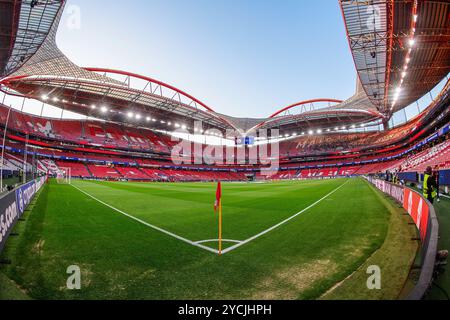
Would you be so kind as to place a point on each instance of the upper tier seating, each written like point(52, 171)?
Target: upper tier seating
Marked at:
point(438, 155)
point(95, 133)
point(316, 144)
point(113, 136)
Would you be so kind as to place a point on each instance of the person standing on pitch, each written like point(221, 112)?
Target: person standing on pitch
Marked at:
point(429, 185)
point(436, 177)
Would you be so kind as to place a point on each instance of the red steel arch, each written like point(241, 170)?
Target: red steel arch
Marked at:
point(166, 85)
point(292, 106)
point(163, 84)
point(206, 109)
point(273, 117)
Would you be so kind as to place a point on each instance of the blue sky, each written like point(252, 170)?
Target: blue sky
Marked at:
point(244, 58)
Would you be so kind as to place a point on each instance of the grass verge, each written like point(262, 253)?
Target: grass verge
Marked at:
point(395, 258)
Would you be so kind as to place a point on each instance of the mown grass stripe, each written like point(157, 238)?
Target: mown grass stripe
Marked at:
point(199, 243)
point(192, 243)
point(284, 221)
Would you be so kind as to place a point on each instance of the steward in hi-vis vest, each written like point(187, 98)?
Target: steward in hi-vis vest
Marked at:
point(429, 185)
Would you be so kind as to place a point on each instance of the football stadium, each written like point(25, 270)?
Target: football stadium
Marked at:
point(134, 189)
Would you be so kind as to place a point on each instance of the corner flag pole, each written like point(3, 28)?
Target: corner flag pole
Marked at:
point(218, 206)
point(220, 227)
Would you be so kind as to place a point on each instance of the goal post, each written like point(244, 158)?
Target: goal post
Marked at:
point(64, 176)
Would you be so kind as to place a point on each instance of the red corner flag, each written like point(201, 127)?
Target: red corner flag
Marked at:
point(218, 197)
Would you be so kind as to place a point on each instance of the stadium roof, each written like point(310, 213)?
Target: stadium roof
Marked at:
point(35, 68)
point(24, 26)
point(401, 48)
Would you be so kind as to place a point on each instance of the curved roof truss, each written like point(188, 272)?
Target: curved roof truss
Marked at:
point(308, 113)
point(400, 48)
point(24, 28)
point(81, 95)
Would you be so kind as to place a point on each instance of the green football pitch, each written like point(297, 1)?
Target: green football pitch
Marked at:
point(284, 240)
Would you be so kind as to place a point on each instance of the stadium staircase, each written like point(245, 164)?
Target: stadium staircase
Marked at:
point(143, 172)
point(41, 167)
point(87, 169)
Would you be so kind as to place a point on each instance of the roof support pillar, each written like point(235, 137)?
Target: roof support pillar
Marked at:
point(386, 125)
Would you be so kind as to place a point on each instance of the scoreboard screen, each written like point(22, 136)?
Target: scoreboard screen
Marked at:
point(245, 141)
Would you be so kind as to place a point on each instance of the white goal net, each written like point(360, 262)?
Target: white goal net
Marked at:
point(64, 175)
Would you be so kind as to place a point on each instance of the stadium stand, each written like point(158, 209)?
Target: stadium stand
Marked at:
point(77, 169)
point(112, 167)
point(114, 136)
point(104, 172)
point(87, 132)
point(436, 156)
point(132, 173)
point(100, 150)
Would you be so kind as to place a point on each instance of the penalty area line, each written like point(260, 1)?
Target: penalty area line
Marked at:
point(173, 235)
point(283, 222)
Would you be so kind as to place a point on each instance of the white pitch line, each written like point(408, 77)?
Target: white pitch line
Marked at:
point(217, 240)
point(150, 225)
point(198, 243)
point(282, 222)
